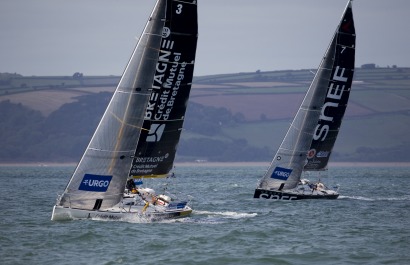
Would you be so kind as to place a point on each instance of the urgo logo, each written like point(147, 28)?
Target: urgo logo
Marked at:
point(281, 173)
point(96, 183)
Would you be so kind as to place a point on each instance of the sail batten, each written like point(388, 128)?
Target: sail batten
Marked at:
point(110, 151)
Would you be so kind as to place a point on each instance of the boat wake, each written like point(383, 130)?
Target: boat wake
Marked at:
point(208, 217)
point(129, 219)
point(228, 215)
point(361, 198)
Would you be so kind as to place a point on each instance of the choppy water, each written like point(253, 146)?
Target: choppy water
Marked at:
point(368, 224)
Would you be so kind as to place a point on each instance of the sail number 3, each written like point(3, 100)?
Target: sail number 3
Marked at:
point(179, 9)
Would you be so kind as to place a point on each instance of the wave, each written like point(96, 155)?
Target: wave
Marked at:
point(361, 198)
point(128, 219)
point(228, 214)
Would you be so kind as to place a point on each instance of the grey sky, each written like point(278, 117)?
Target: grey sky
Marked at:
point(96, 37)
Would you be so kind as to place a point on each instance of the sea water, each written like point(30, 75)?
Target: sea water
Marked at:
point(368, 224)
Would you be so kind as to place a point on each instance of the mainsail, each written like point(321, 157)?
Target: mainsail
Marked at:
point(164, 49)
point(311, 136)
point(337, 95)
point(164, 116)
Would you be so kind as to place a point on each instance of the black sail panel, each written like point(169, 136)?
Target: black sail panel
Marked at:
point(163, 121)
point(334, 107)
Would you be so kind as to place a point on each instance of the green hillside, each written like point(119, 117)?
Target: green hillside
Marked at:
point(231, 117)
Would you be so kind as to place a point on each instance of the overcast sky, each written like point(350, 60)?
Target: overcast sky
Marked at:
point(96, 37)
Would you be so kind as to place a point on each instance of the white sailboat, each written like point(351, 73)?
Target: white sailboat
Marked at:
point(310, 139)
point(138, 134)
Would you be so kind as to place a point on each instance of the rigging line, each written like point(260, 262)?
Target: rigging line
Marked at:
point(174, 62)
point(184, 34)
point(152, 34)
point(120, 133)
point(172, 120)
point(132, 92)
point(185, 2)
point(296, 128)
point(128, 124)
point(311, 108)
point(292, 150)
point(109, 151)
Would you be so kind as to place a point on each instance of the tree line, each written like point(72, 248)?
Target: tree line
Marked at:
point(28, 136)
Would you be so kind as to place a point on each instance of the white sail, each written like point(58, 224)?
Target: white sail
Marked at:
point(287, 165)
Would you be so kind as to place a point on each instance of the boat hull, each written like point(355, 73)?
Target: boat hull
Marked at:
point(294, 195)
point(61, 213)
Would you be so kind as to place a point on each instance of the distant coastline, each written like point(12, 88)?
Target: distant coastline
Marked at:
point(223, 164)
point(266, 164)
point(238, 116)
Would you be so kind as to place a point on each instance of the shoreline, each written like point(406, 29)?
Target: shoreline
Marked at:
point(223, 164)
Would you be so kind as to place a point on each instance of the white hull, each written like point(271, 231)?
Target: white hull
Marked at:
point(61, 213)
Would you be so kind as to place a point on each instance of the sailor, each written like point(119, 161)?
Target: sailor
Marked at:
point(320, 186)
point(131, 186)
point(145, 206)
point(162, 200)
point(154, 199)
